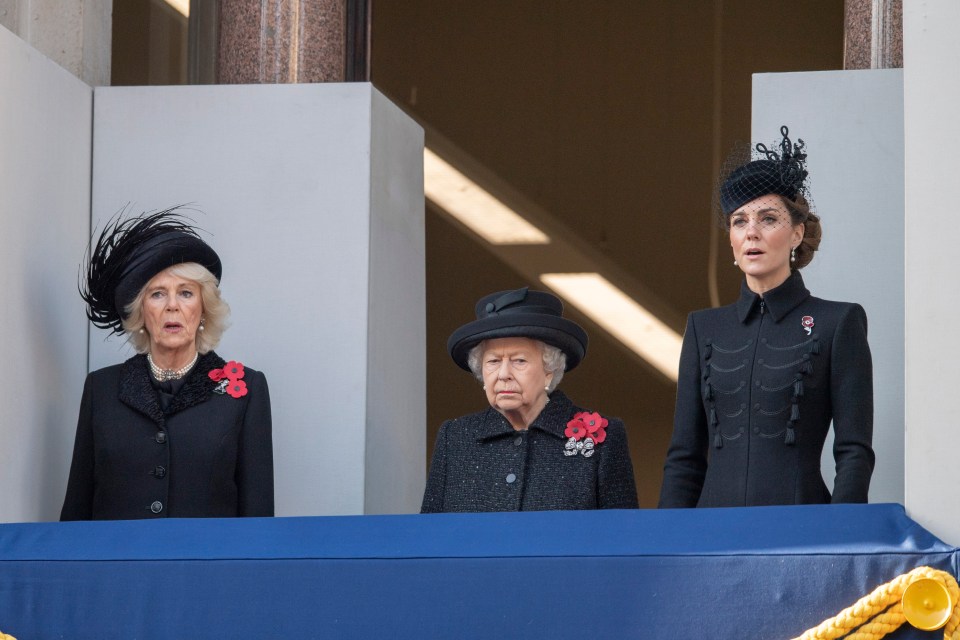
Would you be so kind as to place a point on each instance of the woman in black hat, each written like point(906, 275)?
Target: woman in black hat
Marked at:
point(533, 449)
point(175, 431)
point(762, 379)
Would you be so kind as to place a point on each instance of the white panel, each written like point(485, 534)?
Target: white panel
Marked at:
point(931, 95)
point(281, 174)
point(45, 115)
point(395, 456)
point(852, 122)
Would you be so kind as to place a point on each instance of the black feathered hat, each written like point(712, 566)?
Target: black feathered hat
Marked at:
point(129, 253)
point(783, 174)
point(520, 314)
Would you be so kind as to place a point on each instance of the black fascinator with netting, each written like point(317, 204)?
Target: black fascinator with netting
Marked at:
point(129, 253)
point(766, 172)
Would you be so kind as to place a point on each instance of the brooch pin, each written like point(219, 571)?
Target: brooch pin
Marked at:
point(807, 322)
point(585, 431)
point(229, 380)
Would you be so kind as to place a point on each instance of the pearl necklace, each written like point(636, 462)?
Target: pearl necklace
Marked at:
point(162, 375)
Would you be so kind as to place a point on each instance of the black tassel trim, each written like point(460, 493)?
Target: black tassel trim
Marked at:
point(794, 412)
point(713, 417)
point(718, 441)
point(707, 351)
point(708, 391)
point(797, 389)
point(791, 437)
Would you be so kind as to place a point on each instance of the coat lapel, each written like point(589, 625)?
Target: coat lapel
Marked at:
point(198, 386)
point(138, 393)
point(554, 417)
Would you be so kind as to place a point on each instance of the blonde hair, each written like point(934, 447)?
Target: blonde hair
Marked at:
point(554, 361)
point(215, 309)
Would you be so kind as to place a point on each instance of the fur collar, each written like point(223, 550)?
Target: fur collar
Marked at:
point(137, 392)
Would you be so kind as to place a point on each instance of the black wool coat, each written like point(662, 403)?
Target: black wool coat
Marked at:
point(480, 463)
point(756, 395)
point(208, 455)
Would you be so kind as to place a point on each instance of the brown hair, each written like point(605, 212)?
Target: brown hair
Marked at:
point(800, 213)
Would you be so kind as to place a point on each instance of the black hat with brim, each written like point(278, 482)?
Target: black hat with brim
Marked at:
point(129, 253)
point(519, 314)
point(159, 253)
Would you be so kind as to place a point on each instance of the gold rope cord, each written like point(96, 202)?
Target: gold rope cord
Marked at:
point(4, 636)
point(881, 612)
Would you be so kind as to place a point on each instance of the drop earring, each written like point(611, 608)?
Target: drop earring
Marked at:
point(201, 324)
point(793, 254)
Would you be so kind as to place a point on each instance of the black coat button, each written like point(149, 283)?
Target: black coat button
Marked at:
point(511, 478)
point(161, 437)
point(156, 507)
point(518, 441)
point(159, 471)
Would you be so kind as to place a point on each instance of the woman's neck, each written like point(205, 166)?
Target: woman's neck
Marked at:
point(173, 359)
point(521, 418)
point(761, 285)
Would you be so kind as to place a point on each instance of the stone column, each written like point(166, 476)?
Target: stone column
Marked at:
point(873, 34)
point(282, 41)
point(73, 33)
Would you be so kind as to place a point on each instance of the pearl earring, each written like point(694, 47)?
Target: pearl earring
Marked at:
point(141, 330)
point(793, 254)
point(201, 324)
point(735, 263)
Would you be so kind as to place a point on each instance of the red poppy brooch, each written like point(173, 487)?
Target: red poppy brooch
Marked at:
point(230, 379)
point(585, 431)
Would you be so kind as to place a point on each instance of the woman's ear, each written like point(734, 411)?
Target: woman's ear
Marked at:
point(798, 231)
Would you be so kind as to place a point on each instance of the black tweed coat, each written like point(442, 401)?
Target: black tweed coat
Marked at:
point(480, 463)
point(208, 455)
point(755, 398)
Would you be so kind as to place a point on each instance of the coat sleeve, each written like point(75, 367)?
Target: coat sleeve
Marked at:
point(78, 503)
point(686, 464)
point(851, 392)
point(437, 477)
point(615, 484)
point(254, 474)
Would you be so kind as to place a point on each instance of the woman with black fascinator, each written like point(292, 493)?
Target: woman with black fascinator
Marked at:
point(175, 431)
point(762, 379)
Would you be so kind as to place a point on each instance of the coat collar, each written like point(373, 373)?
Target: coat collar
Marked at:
point(778, 302)
point(553, 419)
point(137, 392)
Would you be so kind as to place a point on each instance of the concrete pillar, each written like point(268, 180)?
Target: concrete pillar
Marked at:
point(931, 91)
point(73, 33)
point(281, 41)
point(873, 34)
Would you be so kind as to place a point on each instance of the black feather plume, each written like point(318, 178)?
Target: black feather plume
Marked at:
point(119, 244)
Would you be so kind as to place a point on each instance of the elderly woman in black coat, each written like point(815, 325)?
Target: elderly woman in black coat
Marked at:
point(762, 379)
point(532, 449)
point(175, 431)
